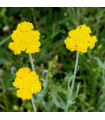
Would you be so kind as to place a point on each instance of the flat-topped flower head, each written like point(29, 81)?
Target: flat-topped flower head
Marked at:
point(25, 39)
point(80, 39)
point(27, 83)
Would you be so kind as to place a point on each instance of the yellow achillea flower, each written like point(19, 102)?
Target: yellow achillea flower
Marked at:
point(25, 39)
point(27, 83)
point(80, 39)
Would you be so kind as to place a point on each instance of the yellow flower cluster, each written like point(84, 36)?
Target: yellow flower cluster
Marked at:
point(25, 39)
point(80, 39)
point(27, 83)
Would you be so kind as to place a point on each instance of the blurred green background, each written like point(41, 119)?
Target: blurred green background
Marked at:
point(54, 24)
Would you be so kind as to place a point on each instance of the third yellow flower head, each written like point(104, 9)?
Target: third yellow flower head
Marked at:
point(80, 39)
point(27, 83)
point(25, 39)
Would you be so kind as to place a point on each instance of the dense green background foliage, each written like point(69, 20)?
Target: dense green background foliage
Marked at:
point(54, 24)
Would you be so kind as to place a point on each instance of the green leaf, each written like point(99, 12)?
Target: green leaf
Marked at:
point(4, 40)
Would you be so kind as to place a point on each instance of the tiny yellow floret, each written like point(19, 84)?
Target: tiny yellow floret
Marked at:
point(80, 39)
point(27, 83)
point(25, 39)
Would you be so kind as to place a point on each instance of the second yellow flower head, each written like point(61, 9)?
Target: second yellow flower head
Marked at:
point(80, 39)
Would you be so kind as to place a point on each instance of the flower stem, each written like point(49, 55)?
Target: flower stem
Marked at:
point(73, 81)
point(33, 104)
point(75, 71)
point(33, 68)
point(31, 61)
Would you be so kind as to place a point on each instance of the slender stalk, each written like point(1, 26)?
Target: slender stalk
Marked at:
point(33, 68)
point(33, 104)
point(73, 81)
point(75, 71)
point(31, 61)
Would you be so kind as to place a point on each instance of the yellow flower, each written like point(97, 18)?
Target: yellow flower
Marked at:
point(25, 39)
point(80, 39)
point(27, 83)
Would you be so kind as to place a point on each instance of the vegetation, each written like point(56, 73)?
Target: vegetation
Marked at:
point(54, 62)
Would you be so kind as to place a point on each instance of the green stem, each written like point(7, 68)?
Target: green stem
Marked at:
point(75, 71)
point(31, 61)
point(33, 104)
point(73, 81)
point(33, 68)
